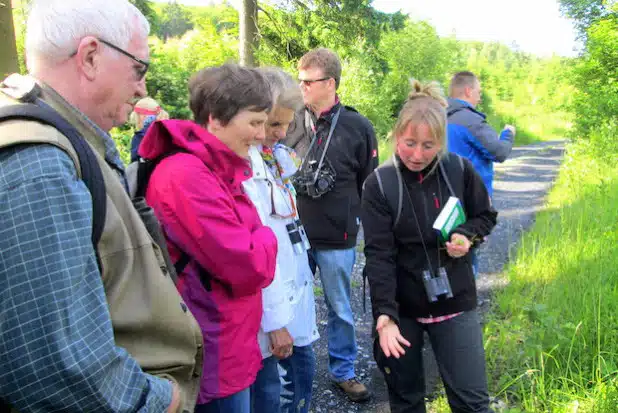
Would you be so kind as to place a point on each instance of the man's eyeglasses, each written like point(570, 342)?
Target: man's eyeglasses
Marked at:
point(140, 71)
point(309, 82)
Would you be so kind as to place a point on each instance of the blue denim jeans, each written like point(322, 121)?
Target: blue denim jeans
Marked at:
point(236, 403)
point(335, 272)
point(297, 372)
point(284, 386)
point(266, 390)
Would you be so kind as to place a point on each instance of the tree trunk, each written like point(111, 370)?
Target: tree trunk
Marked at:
point(248, 32)
point(8, 50)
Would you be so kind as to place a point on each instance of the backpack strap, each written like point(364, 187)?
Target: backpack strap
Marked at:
point(390, 168)
point(446, 179)
point(184, 260)
point(145, 168)
point(396, 207)
point(204, 275)
point(89, 168)
point(139, 177)
point(453, 165)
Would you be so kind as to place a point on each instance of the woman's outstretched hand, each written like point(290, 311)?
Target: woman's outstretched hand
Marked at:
point(391, 340)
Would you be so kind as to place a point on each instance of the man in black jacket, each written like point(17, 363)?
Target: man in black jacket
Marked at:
point(339, 151)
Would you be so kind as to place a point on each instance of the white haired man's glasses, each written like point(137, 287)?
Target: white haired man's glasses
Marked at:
point(140, 71)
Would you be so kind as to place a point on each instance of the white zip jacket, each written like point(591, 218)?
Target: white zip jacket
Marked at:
point(289, 300)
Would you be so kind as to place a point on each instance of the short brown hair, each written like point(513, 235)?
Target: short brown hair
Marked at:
point(223, 91)
point(324, 59)
point(461, 80)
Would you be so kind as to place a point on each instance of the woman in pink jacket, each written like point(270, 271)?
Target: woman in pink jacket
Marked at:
point(224, 253)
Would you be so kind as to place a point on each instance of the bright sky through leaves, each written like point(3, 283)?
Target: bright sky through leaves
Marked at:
point(535, 26)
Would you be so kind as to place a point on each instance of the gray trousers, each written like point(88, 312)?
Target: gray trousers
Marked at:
point(458, 346)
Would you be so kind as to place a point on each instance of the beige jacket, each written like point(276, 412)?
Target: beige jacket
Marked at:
point(149, 318)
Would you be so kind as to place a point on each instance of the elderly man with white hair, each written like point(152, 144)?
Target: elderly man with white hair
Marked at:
point(85, 325)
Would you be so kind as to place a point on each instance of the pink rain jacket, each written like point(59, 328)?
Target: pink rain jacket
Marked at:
point(198, 198)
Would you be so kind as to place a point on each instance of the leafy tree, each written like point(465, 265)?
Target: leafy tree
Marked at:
point(175, 20)
point(585, 12)
point(344, 25)
point(174, 61)
point(145, 6)
point(595, 75)
point(223, 18)
point(8, 50)
point(414, 52)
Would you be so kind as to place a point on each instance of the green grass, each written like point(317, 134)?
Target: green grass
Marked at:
point(552, 339)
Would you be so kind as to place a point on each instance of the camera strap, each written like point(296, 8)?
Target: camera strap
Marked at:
point(418, 225)
point(333, 123)
point(420, 231)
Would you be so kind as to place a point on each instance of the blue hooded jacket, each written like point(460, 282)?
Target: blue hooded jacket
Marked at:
point(470, 136)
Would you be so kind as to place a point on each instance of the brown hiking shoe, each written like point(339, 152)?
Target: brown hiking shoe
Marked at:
point(355, 390)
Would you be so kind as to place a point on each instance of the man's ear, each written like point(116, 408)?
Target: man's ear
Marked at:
point(88, 57)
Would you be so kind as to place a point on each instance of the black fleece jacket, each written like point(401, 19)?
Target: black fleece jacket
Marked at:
point(332, 221)
point(395, 258)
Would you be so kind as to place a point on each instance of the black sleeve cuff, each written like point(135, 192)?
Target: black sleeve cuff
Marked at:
point(474, 238)
point(390, 312)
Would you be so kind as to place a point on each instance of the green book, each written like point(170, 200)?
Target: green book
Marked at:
point(451, 216)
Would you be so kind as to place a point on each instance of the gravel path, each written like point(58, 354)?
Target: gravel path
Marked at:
point(519, 191)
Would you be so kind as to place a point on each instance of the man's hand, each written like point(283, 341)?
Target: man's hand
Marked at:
point(511, 128)
point(281, 343)
point(459, 246)
point(175, 404)
point(391, 340)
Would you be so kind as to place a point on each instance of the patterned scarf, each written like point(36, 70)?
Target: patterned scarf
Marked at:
point(272, 159)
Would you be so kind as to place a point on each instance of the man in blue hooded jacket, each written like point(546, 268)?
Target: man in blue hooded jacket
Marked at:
point(469, 134)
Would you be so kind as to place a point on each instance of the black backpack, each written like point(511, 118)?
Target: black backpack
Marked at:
point(89, 167)
point(92, 176)
point(138, 176)
point(450, 165)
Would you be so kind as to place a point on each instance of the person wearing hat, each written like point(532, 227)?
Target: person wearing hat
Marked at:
point(146, 111)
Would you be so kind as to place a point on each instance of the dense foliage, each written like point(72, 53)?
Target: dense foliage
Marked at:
point(380, 53)
point(551, 339)
point(596, 75)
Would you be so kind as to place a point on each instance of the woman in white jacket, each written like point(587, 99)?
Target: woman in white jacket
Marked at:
point(289, 320)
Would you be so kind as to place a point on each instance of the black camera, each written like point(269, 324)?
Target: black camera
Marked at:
point(313, 182)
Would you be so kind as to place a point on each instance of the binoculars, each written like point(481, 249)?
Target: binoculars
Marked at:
point(437, 286)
